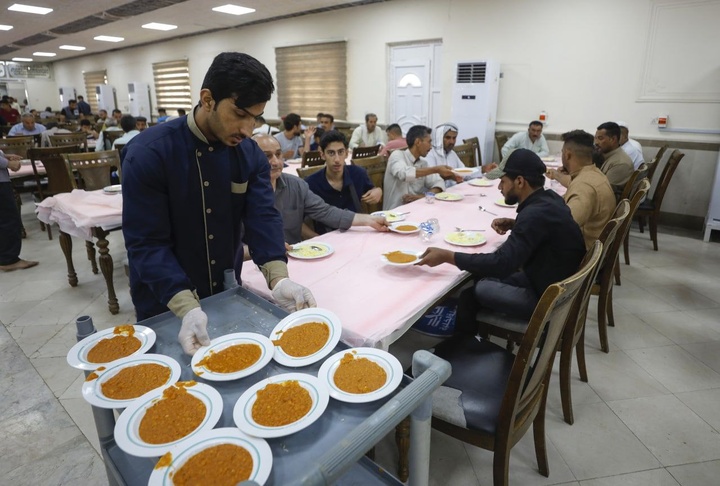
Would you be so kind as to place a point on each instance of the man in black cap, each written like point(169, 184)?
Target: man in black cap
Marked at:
point(545, 246)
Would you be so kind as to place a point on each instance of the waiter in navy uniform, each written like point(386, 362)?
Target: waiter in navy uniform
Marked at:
point(190, 186)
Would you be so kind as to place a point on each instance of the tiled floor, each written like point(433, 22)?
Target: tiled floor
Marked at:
point(650, 414)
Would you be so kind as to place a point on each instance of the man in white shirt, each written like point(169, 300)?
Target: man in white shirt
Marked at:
point(129, 126)
point(630, 146)
point(532, 139)
point(27, 126)
point(444, 138)
point(369, 134)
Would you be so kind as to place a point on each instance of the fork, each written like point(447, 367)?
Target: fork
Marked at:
point(483, 209)
point(460, 230)
point(312, 247)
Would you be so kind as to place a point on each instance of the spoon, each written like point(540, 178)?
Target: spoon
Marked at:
point(483, 209)
point(460, 230)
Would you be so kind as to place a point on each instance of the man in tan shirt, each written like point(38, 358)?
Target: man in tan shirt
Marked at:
point(589, 195)
point(618, 166)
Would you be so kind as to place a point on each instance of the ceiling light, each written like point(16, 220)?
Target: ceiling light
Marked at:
point(18, 7)
point(109, 38)
point(22, 59)
point(233, 9)
point(159, 26)
point(6, 27)
point(72, 48)
point(44, 54)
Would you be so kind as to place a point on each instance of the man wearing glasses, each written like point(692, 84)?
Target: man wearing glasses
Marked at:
point(190, 186)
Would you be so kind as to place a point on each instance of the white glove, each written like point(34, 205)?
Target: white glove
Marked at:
point(193, 332)
point(292, 296)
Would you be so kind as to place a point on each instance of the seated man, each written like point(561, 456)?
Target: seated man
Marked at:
point(617, 165)
point(341, 185)
point(443, 141)
point(326, 121)
point(395, 140)
point(129, 126)
point(630, 146)
point(296, 202)
point(87, 128)
point(544, 247)
point(589, 196)
point(290, 141)
point(27, 126)
point(532, 139)
point(369, 134)
point(162, 115)
point(71, 111)
point(408, 176)
point(140, 123)
point(261, 126)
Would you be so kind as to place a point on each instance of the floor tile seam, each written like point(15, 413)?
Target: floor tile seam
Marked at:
point(627, 473)
point(667, 392)
point(716, 429)
point(686, 353)
point(57, 397)
point(660, 464)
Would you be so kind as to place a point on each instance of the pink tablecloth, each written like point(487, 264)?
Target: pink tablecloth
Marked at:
point(26, 170)
point(77, 212)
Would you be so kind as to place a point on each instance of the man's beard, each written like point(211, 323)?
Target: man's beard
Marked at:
point(511, 199)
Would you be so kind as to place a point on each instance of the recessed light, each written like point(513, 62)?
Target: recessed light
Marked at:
point(109, 38)
point(6, 27)
point(22, 59)
point(159, 26)
point(72, 48)
point(19, 7)
point(233, 9)
point(44, 54)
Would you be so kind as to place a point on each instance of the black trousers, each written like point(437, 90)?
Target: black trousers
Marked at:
point(10, 226)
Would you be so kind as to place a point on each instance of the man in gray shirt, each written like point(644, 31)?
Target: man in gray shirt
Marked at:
point(289, 139)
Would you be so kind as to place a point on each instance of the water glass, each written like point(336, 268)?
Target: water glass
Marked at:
point(429, 197)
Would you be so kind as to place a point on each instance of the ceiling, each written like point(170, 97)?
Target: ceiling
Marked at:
point(76, 22)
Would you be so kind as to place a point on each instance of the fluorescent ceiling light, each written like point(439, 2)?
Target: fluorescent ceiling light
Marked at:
point(233, 9)
point(72, 48)
point(18, 7)
point(6, 27)
point(109, 38)
point(44, 54)
point(22, 59)
point(159, 26)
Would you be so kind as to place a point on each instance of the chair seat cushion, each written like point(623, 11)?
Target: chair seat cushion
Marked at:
point(646, 205)
point(480, 371)
point(503, 321)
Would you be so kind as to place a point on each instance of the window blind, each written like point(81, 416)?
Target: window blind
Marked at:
point(92, 80)
point(172, 85)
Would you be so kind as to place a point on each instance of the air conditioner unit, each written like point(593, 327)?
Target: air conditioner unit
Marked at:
point(106, 97)
point(474, 102)
point(66, 94)
point(139, 95)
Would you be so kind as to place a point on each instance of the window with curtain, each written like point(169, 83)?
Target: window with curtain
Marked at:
point(93, 79)
point(312, 79)
point(172, 85)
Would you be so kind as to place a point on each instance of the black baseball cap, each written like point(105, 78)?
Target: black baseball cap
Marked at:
point(520, 162)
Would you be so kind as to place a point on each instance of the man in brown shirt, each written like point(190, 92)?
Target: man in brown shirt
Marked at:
point(618, 166)
point(589, 195)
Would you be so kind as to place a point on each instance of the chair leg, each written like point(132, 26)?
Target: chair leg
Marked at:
point(566, 386)
point(580, 352)
point(90, 247)
point(402, 440)
point(626, 248)
point(610, 315)
point(616, 270)
point(653, 232)
point(48, 227)
point(641, 223)
point(501, 465)
point(539, 437)
point(602, 323)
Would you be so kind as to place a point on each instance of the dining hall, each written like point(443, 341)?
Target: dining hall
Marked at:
point(360, 242)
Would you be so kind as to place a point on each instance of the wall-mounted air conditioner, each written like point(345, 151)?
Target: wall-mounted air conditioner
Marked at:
point(139, 96)
point(106, 97)
point(474, 102)
point(66, 94)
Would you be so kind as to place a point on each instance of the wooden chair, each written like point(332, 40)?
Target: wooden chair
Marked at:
point(500, 139)
point(504, 394)
point(475, 143)
point(466, 154)
point(77, 138)
point(94, 168)
point(655, 162)
point(119, 147)
point(312, 158)
point(305, 172)
point(375, 167)
point(630, 188)
point(109, 136)
point(650, 208)
point(367, 162)
point(17, 145)
point(362, 152)
point(644, 187)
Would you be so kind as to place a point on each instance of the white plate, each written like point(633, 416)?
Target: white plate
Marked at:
point(242, 413)
point(481, 182)
point(448, 196)
point(114, 189)
point(303, 317)
point(464, 171)
point(77, 356)
point(393, 227)
point(388, 362)
point(547, 159)
point(293, 161)
point(258, 448)
point(417, 254)
point(466, 238)
point(222, 342)
point(309, 252)
point(501, 202)
point(128, 424)
point(92, 390)
point(390, 216)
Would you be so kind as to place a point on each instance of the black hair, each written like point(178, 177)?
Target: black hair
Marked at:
point(368, 116)
point(162, 110)
point(70, 102)
point(394, 128)
point(579, 142)
point(85, 122)
point(291, 120)
point(415, 132)
point(240, 77)
point(127, 123)
point(80, 97)
point(332, 136)
point(181, 112)
point(140, 118)
point(116, 111)
point(328, 115)
point(536, 123)
point(612, 129)
point(319, 132)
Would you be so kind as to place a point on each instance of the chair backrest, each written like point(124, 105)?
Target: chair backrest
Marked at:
point(636, 197)
point(466, 154)
point(360, 152)
point(119, 147)
point(59, 178)
point(632, 183)
point(17, 145)
point(304, 172)
point(474, 142)
point(612, 241)
point(368, 162)
point(94, 167)
point(500, 140)
point(109, 136)
point(312, 158)
point(530, 371)
point(655, 162)
point(665, 178)
point(77, 138)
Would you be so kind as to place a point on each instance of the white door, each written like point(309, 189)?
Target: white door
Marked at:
point(411, 93)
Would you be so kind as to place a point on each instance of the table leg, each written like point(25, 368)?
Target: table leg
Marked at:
point(90, 247)
point(106, 265)
point(402, 439)
point(66, 246)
